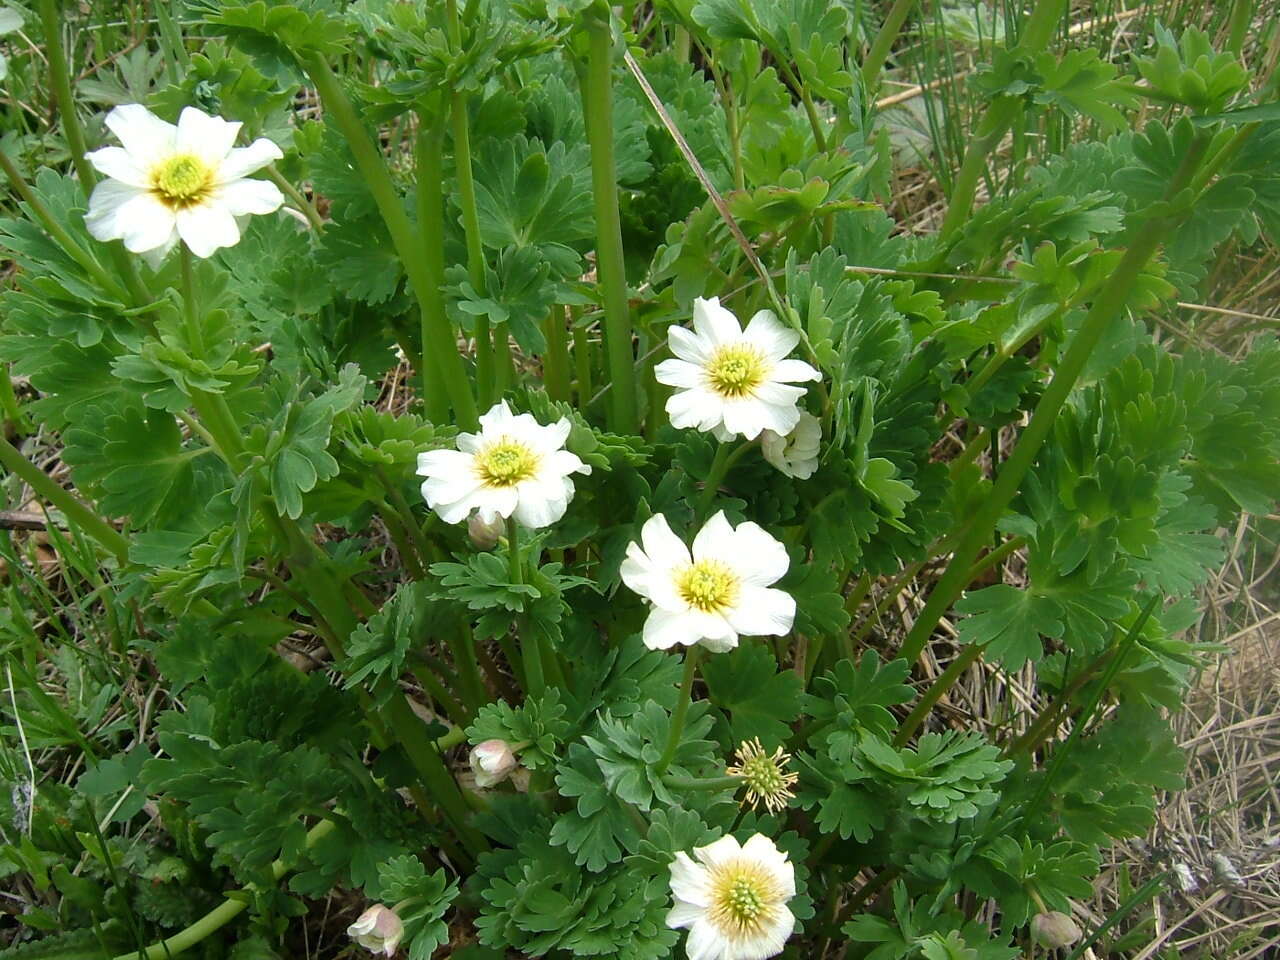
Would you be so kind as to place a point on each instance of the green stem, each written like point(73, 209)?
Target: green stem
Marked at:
point(555, 363)
point(60, 82)
point(429, 161)
point(581, 362)
point(681, 711)
point(883, 42)
point(955, 669)
point(13, 413)
point(470, 215)
point(531, 655)
point(702, 783)
point(76, 512)
point(219, 916)
point(1241, 18)
point(597, 95)
point(720, 467)
point(417, 252)
point(1109, 302)
point(297, 200)
point(1000, 115)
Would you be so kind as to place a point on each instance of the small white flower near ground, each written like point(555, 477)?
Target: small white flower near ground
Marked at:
point(733, 899)
point(795, 453)
point(378, 930)
point(492, 762)
point(730, 381)
point(514, 466)
point(714, 593)
point(168, 182)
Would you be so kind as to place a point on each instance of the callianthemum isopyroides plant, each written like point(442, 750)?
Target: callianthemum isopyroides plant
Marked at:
point(442, 567)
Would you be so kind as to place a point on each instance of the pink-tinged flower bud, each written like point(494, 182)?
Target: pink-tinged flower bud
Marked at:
point(492, 762)
point(378, 930)
point(484, 535)
point(1054, 929)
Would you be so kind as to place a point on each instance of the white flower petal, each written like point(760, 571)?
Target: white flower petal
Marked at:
point(497, 420)
point(537, 512)
point(206, 228)
point(209, 138)
point(763, 850)
point(243, 161)
point(762, 611)
point(695, 408)
point(242, 197)
point(143, 134)
point(765, 332)
point(758, 558)
point(687, 345)
point(664, 629)
point(664, 549)
point(715, 540)
point(118, 164)
point(705, 942)
point(689, 881)
point(684, 914)
point(714, 323)
point(794, 371)
point(719, 851)
point(118, 211)
point(680, 373)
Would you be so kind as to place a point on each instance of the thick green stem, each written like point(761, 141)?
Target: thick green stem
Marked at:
point(417, 251)
point(428, 155)
point(1000, 115)
point(883, 42)
point(76, 512)
point(597, 96)
point(555, 363)
point(681, 711)
point(1109, 302)
point(1241, 18)
point(219, 916)
point(470, 216)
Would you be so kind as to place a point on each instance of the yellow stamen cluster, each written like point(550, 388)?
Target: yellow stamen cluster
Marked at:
point(736, 370)
point(708, 585)
point(764, 775)
point(506, 463)
point(743, 899)
point(182, 180)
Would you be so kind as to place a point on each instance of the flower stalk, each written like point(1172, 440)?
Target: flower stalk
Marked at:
point(691, 657)
point(439, 348)
point(597, 96)
point(1109, 302)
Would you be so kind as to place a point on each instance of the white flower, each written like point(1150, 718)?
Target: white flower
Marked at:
point(514, 465)
point(169, 182)
point(719, 592)
point(378, 930)
point(492, 762)
point(795, 453)
point(732, 381)
point(733, 899)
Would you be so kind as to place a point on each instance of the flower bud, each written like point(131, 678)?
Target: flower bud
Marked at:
point(378, 930)
point(795, 454)
point(492, 762)
point(1054, 929)
point(484, 535)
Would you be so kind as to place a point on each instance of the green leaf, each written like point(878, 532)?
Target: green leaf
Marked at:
point(538, 722)
point(422, 900)
point(1010, 622)
point(761, 701)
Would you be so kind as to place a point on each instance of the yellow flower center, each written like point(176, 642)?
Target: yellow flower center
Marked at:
point(736, 370)
point(743, 899)
point(183, 180)
point(506, 463)
point(708, 585)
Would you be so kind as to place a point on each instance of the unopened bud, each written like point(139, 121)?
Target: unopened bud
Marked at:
point(1054, 929)
point(378, 930)
point(492, 762)
point(484, 535)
